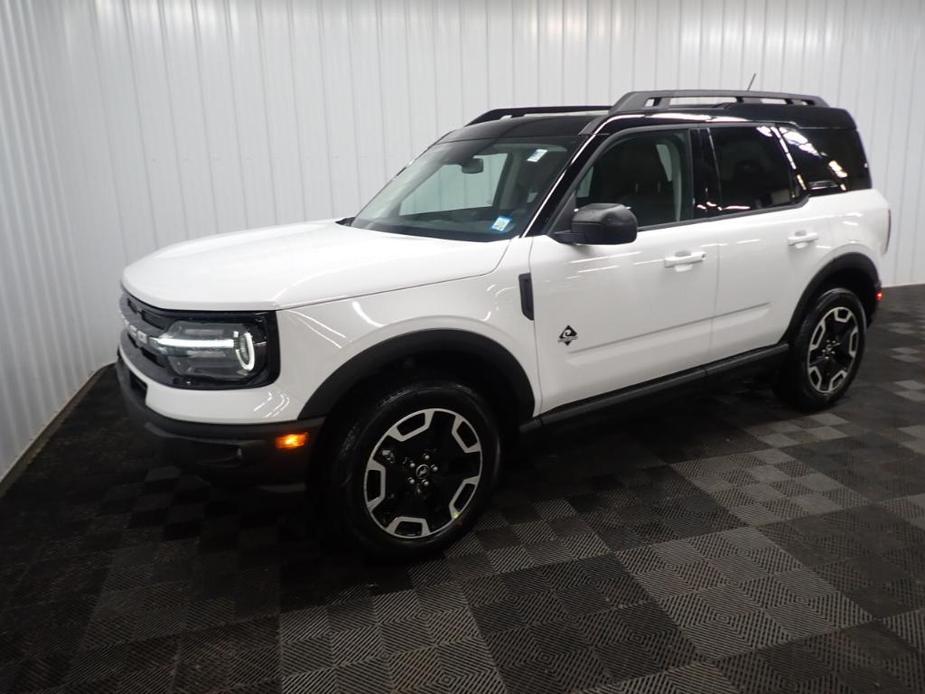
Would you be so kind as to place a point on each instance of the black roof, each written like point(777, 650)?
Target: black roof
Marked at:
point(641, 108)
point(524, 126)
point(800, 116)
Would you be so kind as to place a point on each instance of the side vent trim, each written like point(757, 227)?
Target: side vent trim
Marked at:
point(526, 294)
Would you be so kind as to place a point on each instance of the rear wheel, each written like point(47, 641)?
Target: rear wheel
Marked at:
point(826, 352)
point(414, 467)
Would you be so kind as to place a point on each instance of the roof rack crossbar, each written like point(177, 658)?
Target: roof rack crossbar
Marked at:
point(514, 112)
point(635, 101)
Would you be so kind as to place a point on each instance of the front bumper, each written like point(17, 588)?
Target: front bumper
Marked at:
point(230, 453)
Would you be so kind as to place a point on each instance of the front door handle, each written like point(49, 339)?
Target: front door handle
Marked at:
point(801, 239)
point(685, 258)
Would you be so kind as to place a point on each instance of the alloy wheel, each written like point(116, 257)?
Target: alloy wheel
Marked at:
point(423, 473)
point(833, 349)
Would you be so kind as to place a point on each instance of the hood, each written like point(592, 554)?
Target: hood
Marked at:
point(298, 264)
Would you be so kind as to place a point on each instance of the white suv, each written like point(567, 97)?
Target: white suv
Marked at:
point(534, 265)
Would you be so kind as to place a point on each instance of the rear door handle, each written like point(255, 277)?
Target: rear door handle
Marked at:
point(685, 258)
point(802, 238)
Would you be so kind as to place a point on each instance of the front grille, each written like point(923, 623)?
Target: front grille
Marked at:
point(142, 323)
point(145, 314)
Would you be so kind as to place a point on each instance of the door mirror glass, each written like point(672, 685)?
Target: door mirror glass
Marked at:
point(600, 223)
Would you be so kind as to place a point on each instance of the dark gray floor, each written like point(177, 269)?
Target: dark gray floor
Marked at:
point(722, 544)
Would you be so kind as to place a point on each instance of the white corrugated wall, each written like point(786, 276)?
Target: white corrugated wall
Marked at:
point(46, 353)
point(130, 125)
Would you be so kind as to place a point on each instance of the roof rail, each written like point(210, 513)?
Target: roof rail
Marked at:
point(514, 112)
point(635, 101)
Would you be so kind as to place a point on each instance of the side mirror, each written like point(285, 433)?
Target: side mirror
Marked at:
point(600, 223)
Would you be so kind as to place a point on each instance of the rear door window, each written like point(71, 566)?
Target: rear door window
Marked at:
point(754, 169)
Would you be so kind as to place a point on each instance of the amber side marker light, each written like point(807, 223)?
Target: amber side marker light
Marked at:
point(287, 442)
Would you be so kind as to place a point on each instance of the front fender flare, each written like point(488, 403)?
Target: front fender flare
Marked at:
point(372, 360)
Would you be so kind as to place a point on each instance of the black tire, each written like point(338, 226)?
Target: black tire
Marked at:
point(825, 352)
point(417, 477)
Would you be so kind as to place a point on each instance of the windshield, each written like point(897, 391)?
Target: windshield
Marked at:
point(469, 190)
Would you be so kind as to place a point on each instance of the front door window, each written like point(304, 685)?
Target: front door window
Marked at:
point(649, 173)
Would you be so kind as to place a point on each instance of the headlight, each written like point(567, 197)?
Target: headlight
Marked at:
point(220, 351)
point(200, 350)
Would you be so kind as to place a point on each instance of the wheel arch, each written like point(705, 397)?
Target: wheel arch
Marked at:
point(479, 361)
point(854, 271)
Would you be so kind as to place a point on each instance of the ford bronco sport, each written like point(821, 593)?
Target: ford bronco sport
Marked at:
point(535, 265)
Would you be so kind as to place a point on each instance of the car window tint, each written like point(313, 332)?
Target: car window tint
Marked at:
point(648, 173)
point(754, 170)
point(828, 160)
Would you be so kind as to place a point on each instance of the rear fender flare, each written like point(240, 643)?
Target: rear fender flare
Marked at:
point(850, 262)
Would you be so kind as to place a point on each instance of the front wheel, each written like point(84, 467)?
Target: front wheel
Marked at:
point(414, 467)
point(826, 352)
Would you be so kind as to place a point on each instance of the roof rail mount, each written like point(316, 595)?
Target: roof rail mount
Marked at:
point(636, 101)
point(516, 111)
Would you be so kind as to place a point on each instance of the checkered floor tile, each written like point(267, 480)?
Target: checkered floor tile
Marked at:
point(720, 544)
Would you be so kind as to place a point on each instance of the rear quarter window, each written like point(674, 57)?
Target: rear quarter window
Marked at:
point(829, 160)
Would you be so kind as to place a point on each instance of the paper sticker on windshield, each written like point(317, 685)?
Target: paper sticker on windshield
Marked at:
point(537, 155)
point(501, 223)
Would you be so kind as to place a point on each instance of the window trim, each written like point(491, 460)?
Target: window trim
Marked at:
point(578, 172)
